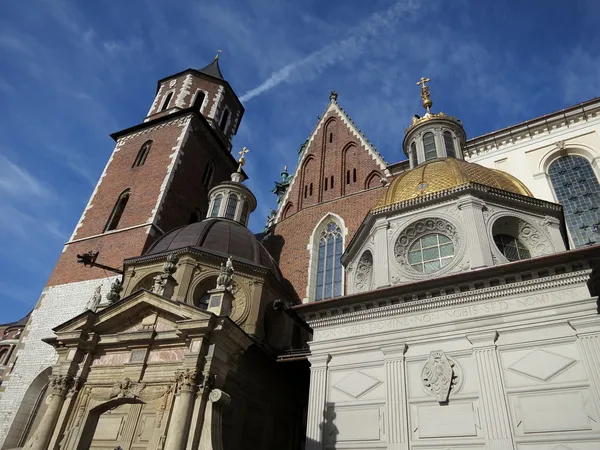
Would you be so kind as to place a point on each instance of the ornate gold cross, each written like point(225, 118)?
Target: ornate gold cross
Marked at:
point(423, 81)
point(242, 159)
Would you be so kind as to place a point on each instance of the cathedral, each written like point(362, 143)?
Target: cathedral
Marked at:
point(444, 301)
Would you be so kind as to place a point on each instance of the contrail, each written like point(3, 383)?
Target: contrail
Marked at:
point(352, 46)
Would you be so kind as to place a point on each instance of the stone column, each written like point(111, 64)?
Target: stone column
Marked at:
point(317, 395)
point(588, 342)
point(395, 411)
point(475, 233)
point(58, 387)
point(495, 416)
point(212, 434)
point(182, 407)
point(380, 257)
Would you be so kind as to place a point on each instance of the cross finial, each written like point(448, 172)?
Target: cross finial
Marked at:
point(425, 93)
point(242, 159)
point(333, 95)
point(218, 54)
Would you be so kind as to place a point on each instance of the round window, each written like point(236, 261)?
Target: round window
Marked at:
point(512, 248)
point(430, 253)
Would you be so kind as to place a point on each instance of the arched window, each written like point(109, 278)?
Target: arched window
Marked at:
point(429, 146)
point(140, 159)
point(413, 154)
point(214, 212)
point(578, 190)
point(199, 100)
point(244, 216)
point(512, 248)
point(208, 174)
point(224, 119)
point(449, 144)
point(201, 296)
point(165, 104)
point(117, 211)
point(232, 202)
point(329, 266)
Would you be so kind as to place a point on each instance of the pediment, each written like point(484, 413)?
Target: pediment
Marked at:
point(141, 311)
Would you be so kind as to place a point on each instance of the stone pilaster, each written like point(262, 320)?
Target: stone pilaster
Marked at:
point(185, 390)
point(478, 245)
point(396, 413)
point(588, 341)
point(58, 387)
point(212, 434)
point(381, 271)
point(316, 401)
point(495, 416)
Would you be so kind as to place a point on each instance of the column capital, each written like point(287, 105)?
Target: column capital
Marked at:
point(586, 326)
point(218, 397)
point(396, 351)
point(185, 381)
point(385, 223)
point(319, 361)
point(60, 384)
point(483, 339)
point(469, 201)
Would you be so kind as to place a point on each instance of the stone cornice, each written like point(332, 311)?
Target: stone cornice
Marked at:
point(460, 298)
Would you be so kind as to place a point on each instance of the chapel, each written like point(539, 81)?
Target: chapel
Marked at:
point(444, 301)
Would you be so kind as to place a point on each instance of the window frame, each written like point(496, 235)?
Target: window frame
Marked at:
point(117, 211)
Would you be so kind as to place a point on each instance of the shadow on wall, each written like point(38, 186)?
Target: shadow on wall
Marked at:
point(328, 428)
point(274, 244)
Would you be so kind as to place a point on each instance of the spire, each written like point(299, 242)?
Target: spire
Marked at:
point(425, 93)
point(213, 68)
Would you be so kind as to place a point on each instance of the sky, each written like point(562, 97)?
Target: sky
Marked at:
point(72, 72)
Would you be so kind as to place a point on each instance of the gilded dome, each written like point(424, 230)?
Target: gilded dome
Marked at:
point(446, 173)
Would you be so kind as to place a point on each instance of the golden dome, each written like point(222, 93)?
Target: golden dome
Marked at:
point(446, 173)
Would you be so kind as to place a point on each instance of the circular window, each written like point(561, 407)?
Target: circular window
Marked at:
point(512, 248)
point(430, 253)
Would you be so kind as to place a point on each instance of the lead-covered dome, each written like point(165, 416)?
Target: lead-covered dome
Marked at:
point(446, 173)
point(221, 236)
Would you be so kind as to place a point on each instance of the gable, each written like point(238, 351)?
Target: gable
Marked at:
point(336, 160)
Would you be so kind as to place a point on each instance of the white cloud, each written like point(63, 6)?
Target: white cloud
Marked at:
point(16, 182)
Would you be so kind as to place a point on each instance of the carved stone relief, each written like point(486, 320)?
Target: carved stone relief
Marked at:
point(364, 272)
point(440, 375)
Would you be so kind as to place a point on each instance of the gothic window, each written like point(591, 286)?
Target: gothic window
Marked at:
point(310, 190)
point(287, 210)
point(305, 191)
point(347, 176)
point(232, 202)
point(214, 212)
point(199, 100)
point(326, 180)
point(224, 120)
point(449, 144)
point(117, 211)
point(512, 248)
point(413, 153)
point(208, 174)
point(140, 159)
point(331, 184)
point(329, 266)
point(364, 272)
point(429, 146)
point(354, 175)
point(244, 216)
point(578, 190)
point(330, 138)
point(165, 104)
point(430, 253)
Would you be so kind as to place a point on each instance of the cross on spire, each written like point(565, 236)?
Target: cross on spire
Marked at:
point(242, 159)
point(425, 93)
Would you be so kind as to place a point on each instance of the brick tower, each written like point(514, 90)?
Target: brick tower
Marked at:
point(156, 179)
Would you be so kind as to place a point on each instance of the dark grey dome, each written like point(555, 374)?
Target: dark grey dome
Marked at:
point(217, 235)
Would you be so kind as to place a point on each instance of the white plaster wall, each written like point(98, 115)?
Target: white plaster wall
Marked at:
point(56, 305)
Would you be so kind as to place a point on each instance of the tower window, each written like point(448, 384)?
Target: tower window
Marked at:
point(330, 138)
point(449, 144)
point(244, 216)
point(347, 176)
point(326, 183)
point(165, 104)
point(140, 159)
point(199, 100)
point(232, 202)
point(117, 211)
point(331, 184)
point(413, 153)
point(354, 175)
point(305, 191)
point(224, 119)
point(310, 190)
point(429, 145)
point(214, 212)
point(329, 266)
point(208, 174)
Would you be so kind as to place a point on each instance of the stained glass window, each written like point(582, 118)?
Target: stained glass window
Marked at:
point(214, 212)
point(578, 190)
point(329, 265)
point(449, 144)
point(512, 248)
point(430, 253)
point(232, 202)
point(429, 145)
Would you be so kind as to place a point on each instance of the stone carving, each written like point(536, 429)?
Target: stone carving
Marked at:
point(219, 397)
point(126, 388)
point(364, 272)
point(438, 375)
point(164, 282)
point(59, 384)
point(225, 279)
point(186, 381)
point(114, 295)
point(560, 145)
point(93, 302)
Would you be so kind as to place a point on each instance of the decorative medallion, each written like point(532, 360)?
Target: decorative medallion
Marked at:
point(439, 375)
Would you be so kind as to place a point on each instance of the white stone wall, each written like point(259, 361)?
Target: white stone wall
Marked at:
point(56, 305)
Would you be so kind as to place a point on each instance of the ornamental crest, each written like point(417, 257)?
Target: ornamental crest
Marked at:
point(125, 388)
point(439, 375)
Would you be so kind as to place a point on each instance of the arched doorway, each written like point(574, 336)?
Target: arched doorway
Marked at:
point(125, 423)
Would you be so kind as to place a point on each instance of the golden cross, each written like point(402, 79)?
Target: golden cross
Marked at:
point(218, 53)
point(423, 81)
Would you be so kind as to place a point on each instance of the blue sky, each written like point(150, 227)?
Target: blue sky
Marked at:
point(73, 72)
